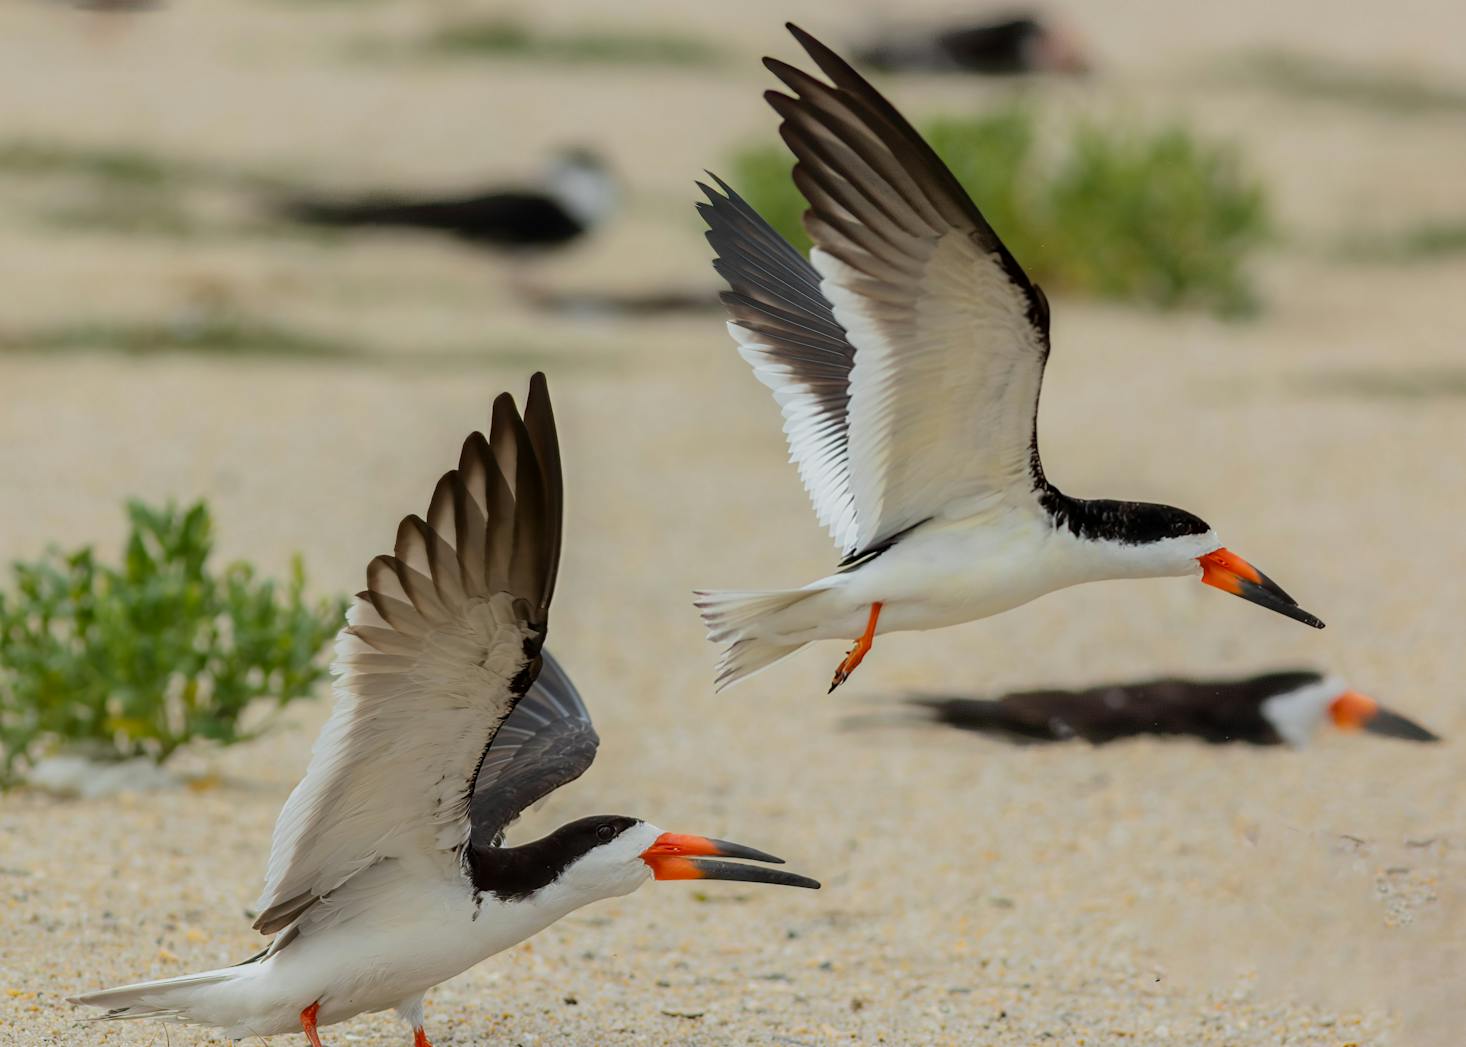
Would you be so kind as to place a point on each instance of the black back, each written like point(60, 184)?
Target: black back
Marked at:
point(1215, 711)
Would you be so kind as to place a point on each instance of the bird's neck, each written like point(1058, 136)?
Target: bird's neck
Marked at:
point(514, 873)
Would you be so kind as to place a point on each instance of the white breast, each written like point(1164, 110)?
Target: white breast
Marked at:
point(949, 572)
point(380, 942)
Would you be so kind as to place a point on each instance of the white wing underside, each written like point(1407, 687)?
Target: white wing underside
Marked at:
point(435, 655)
point(817, 439)
point(386, 777)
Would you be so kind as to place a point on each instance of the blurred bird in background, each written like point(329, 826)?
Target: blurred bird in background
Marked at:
point(1288, 707)
point(577, 194)
point(1019, 43)
point(907, 355)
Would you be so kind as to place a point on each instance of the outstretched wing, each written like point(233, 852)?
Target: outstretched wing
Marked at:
point(438, 650)
point(786, 329)
point(547, 741)
point(948, 335)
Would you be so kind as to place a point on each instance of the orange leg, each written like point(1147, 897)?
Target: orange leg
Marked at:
point(308, 1023)
point(420, 1038)
point(858, 652)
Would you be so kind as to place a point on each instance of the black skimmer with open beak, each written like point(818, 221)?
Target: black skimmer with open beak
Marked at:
point(578, 194)
point(388, 873)
point(1276, 708)
point(907, 355)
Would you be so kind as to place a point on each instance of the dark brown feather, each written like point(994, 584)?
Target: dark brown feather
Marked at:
point(891, 154)
point(277, 917)
point(493, 526)
point(539, 422)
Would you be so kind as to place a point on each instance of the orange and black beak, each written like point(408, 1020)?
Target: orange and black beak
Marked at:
point(1353, 711)
point(675, 856)
point(1230, 573)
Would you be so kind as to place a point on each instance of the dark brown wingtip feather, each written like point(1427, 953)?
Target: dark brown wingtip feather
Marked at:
point(440, 506)
point(502, 511)
point(278, 917)
point(475, 453)
point(529, 552)
point(853, 97)
point(539, 386)
point(831, 64)
point(778, 98)
point(544, 438)
point(505, 441)
point(504, 431)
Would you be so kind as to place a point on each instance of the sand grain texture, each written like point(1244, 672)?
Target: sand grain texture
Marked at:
point(1145, 893)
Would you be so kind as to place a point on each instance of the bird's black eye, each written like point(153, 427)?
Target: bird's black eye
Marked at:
point(606, 833)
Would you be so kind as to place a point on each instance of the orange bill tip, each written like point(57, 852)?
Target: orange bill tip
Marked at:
point(1352, 710)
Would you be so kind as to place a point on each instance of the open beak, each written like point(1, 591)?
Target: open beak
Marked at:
point(675, 856)
point(1230, 573)
point(1353, 711)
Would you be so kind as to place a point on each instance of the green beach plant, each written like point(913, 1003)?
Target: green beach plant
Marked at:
point(1400, 91)
point(502, 37)
point(145, 656)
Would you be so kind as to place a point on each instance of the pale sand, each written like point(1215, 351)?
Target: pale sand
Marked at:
point(1146, 893)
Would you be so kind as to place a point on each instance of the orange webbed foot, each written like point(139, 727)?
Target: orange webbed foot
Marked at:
point(857, 653)
point(308, 1023)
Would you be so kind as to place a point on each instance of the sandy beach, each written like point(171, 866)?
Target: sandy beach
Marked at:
point(1145, 893)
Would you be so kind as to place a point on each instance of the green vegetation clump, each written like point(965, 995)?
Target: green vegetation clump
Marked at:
point(1163, 219)
point(123, 167)
point(993, 158)
point(1160, 218)
point(1321, 79)
point(115, 165)
point(507, 37)
point(1422, 242)
point(208, 332)
point(143, 657)
point(128, 191)
point(763, 175)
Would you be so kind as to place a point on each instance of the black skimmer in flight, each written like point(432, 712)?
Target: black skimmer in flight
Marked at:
point(388, 873)
point(1270, 709)
point(1012, 46)
point(906, 355)
point(578, 194)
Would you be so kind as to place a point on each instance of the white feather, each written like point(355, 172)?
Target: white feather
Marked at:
point(389, 772)
point(943, 390)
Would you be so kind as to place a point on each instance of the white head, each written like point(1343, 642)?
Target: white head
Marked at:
point(611, 865)
point(1109, 539)
point(606, 856)
point(1172, 557)
point(583, 186)
point(1299, 713)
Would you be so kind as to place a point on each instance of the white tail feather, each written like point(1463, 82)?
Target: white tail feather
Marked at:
point(170, 999)
point(737, 620)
